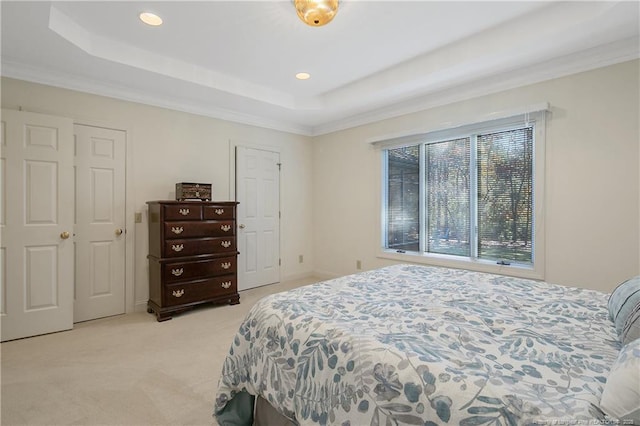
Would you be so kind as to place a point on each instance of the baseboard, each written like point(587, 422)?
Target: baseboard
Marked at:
point(300, 276)
point(140, 306)
point(323, 275)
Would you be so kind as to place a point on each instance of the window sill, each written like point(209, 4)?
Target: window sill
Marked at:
point(472, 265)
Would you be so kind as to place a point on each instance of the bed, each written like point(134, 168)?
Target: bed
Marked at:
point(419, 345)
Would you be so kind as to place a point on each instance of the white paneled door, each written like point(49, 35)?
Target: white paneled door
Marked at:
point(99, 222)
point(37, 224)
point(258, 194)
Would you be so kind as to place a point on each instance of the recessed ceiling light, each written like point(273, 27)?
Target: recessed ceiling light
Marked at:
point(150, 19)
point(303, 76)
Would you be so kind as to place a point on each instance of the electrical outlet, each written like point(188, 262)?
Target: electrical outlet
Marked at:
point(138, 217)
point(300, 258)
point(358, 264)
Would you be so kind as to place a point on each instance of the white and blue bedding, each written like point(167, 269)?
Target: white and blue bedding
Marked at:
point(421, 345)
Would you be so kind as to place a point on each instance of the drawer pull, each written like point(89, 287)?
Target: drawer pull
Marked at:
point(226, 265)
point(177, 247)
point(178, 293)
point(219, 211)
point(226, 244)
point(177, 272)
point(225, 228)
point(177, 230)
point(226, 284)
point(184, 212)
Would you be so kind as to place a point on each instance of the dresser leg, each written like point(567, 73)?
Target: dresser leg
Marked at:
point(160, 315)
point(163, 316)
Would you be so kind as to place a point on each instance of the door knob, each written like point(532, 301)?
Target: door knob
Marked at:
point(118, 232)
point(241, 226)
point(64, 235)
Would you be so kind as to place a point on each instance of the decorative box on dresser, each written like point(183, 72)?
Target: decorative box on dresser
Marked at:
point(192, 255)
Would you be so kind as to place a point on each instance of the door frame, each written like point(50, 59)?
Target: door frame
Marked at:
point(232, 182)
point(130, 303)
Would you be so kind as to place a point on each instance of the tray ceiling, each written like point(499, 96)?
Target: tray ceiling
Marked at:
point(237, 60)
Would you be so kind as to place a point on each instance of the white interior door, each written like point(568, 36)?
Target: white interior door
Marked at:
point(99, 222)
point(37, 224)
point(258, 194)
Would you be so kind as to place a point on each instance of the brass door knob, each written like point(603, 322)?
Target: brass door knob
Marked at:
point(241, 226)
point(64, 235)
point(118, 232)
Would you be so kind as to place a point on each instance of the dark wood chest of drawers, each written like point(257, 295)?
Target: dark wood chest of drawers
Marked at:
point(192, 255)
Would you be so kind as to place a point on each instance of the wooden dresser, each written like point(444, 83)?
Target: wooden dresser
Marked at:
point(192, 255)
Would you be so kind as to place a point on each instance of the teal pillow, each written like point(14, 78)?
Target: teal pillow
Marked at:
point(623, 302)
point(621, 395)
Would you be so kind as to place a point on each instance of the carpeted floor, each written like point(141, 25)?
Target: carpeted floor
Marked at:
point(124, 370)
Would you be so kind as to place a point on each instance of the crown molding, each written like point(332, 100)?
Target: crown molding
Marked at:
point(49, 77)
point(597, 57)
point(601, 56)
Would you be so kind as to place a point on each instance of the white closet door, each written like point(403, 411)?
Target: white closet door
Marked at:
point(99, 222)
point(258, 194)
point(37, 224)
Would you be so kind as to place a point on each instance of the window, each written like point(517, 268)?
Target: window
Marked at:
point(466, 194)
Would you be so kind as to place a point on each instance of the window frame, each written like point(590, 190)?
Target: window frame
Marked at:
point(536, 270)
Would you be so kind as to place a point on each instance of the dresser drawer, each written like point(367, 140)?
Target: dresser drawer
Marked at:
point(199, 229)
point(184, 211)
point(180, 271)
point(196, 246)
point(199, 290)
point(218, 212)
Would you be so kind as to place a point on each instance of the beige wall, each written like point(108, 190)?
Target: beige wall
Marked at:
point(330, 184)
point(167, 146)
point(592, 213)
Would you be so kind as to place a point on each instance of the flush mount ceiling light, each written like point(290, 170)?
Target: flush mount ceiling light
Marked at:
point(316, 13)
point(150, 19)
point(303, 76)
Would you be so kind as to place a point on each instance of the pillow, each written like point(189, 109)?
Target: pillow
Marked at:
point(621, 395)
point(623, 301)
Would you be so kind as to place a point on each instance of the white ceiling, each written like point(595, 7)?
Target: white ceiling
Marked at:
point(236, 60)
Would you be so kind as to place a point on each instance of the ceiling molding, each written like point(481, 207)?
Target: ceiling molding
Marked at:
point(82, 84)
point(122, 53)
point(601, 56)
point(46, 44)
point(598, 57)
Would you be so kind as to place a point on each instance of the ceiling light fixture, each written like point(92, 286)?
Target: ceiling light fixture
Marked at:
point(316, 13)
point(303, 76)
point(150, 19)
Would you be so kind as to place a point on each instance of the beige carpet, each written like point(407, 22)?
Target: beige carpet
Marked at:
point(124, 370)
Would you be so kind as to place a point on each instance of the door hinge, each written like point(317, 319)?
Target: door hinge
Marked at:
point(279, 262)
point(279, 166)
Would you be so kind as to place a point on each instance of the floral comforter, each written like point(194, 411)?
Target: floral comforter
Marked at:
point(423, 346)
